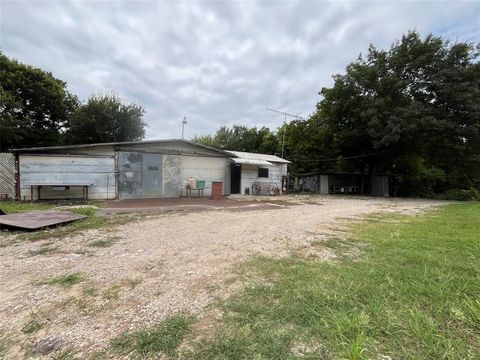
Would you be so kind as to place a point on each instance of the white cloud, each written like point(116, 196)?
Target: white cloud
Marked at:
point(219, 63)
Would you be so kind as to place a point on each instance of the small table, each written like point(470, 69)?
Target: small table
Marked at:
point(198, 190)
point(84, 189)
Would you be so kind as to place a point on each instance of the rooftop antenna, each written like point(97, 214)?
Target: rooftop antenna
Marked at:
point(184, 122)
point(285, 114)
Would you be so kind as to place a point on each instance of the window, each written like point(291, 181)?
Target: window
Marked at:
point(263, 172)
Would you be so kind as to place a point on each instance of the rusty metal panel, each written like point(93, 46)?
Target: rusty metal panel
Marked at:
point(32, 220)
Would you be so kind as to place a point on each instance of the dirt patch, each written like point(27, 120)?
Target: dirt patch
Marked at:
point(156, 267)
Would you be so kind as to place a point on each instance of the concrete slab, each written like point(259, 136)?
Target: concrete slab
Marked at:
point(33, 220)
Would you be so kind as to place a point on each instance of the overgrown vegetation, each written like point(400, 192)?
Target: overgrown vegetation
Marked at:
point(410, 112)
point(162, 339)
point(412, 294)
point(66, 280)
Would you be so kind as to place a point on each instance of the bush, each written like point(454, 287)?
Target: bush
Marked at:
point(461, 195)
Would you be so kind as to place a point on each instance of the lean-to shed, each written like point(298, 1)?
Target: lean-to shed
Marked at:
point(249, 168)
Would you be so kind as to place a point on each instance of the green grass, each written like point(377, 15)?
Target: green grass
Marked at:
point(31, 327)
point(90, 291)
point(12, 206)
point(103, 242)
point(413, 293)
point(162, 339)
point(66, 280)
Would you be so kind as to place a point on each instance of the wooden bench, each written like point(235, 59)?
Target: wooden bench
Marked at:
point(65, 186)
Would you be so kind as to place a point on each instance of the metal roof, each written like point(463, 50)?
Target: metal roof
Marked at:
point(80, 146)
point(248, 158)
point(257, 157)
point(251, 161)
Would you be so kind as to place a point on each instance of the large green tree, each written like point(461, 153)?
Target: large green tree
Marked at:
point(35, 107)
point(412, 111)
point(106, 118)
point(242, 138)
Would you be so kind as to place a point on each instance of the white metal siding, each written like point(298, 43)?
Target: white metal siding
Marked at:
point(205, 168)
point(67, 170)
point(249, 175)
point(323, 184)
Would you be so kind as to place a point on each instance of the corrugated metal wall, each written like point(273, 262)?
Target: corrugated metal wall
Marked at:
point(69, 171)
point(7, 174)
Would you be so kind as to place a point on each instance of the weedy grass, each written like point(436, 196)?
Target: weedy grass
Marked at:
point(65, 354)
point(413, 293)
point(112, 292)
point(102, 243)
point(44, 249)
point(162, 339)
point(32, 326)
point(66, 280)
point(12, 206)
point(4, 345)
point(90, 291)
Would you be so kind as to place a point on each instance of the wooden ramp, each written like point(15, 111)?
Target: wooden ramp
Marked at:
point(34, 220)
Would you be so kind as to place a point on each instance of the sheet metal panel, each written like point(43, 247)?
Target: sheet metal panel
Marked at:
point(140, 175)
point(68, 170)
point(251, 161)
point(32, 220)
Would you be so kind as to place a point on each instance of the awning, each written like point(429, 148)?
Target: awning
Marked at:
point(251, 161)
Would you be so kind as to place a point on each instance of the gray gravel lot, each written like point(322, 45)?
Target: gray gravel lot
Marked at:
point(156, 266)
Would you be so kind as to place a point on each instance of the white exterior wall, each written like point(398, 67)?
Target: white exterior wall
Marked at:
point(249, 175)
point(324, 184)
point(67, 170)
point(205, 168)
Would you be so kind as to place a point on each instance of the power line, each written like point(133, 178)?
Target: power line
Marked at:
point(338, 158)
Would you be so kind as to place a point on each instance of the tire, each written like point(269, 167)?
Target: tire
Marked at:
point(256, 188)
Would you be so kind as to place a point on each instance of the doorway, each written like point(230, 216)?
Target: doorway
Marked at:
point(236, 174)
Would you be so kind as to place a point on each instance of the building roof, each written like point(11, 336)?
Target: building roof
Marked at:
point(80, 146)
point(239, 157)
point(256, 159)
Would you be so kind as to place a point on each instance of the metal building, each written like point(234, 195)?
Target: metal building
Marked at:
point(122, 170)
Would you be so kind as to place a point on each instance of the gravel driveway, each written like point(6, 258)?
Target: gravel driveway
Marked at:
point(154, 267)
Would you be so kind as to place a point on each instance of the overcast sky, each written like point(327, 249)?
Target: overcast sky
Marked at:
point(220, 63)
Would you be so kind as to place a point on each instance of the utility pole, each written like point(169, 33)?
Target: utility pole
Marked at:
point(285, 114)
point(184, 122)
